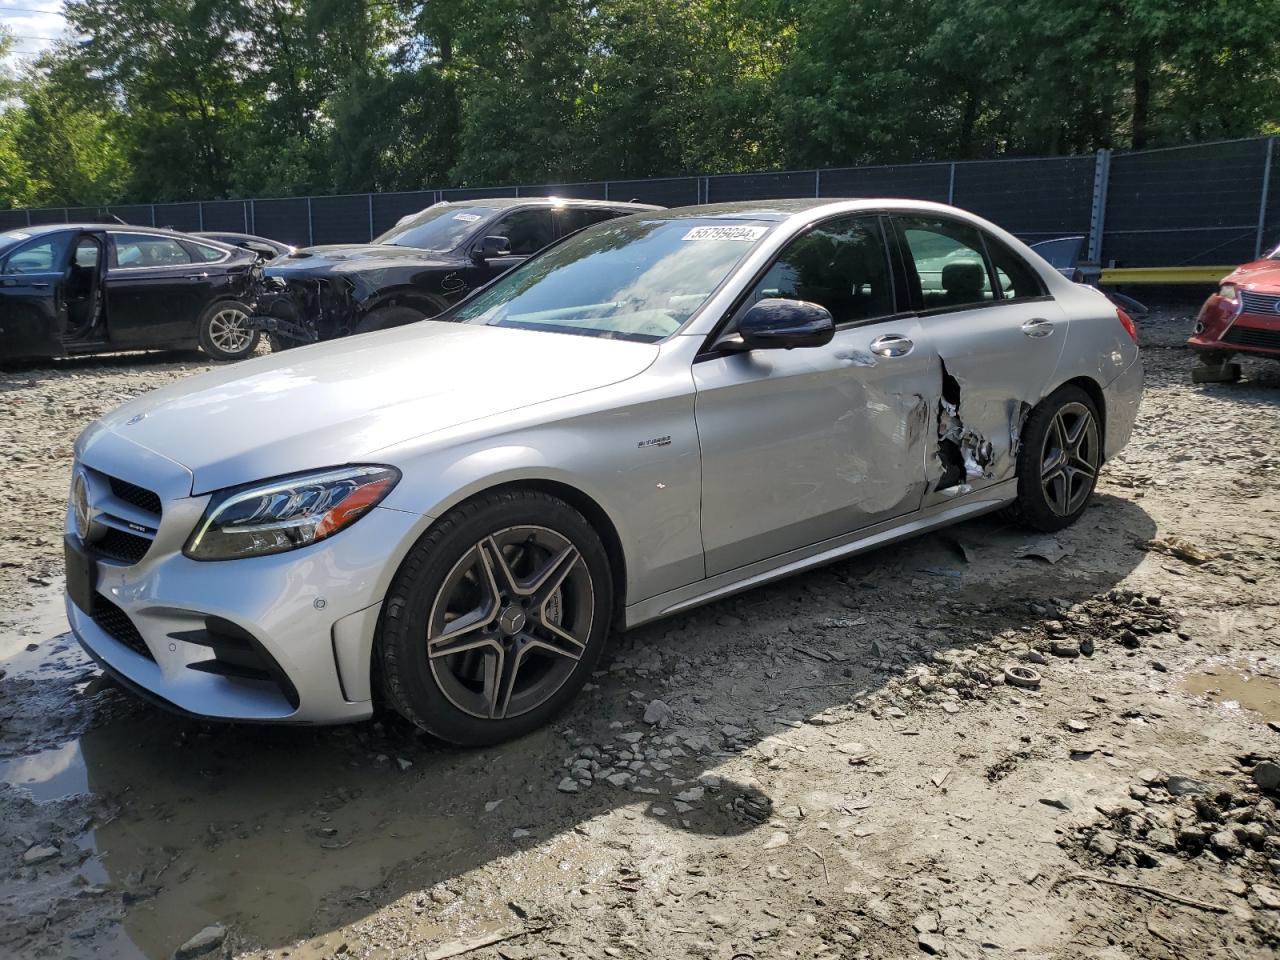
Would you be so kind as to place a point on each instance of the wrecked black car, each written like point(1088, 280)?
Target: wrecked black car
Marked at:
point(421, 266)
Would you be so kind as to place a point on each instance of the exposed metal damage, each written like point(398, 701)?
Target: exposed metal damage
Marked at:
point(964, 453)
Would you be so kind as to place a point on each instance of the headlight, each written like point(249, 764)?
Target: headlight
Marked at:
point(1228, 292)
point(288, 512)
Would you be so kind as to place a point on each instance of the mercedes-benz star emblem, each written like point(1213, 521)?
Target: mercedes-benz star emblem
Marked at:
point(88, 529)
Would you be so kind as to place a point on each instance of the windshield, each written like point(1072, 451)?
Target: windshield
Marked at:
point(629, 279)
point(436, 228)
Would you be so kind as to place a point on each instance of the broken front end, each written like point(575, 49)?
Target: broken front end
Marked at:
point(295, 311)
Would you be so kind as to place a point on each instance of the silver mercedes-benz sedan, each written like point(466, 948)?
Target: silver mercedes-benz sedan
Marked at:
point(657, 412)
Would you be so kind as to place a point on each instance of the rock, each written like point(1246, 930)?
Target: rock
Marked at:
point(519, 833)
point(1162, 839)
point(932, 943)
point(39, 854)
point(1183, 786)
point(1077, 726)
point(1065, 648)
point(1103, 845)
point(1269, 897)
point(657, 713)
point(1267, 775)
point(402, 763)
point(692, 795)
point(206, 941)
point(492, 805)
point(620, 779)
point(779, 838)
point(1058, 800)
point(1139, 792)
point(926, 923)
point(1252, 835)
point(1225, 844)
point(568, 785)
point(1086, 646)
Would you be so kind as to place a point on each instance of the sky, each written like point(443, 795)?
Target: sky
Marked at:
point(28, 19)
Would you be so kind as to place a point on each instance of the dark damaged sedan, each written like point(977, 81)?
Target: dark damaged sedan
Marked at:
point(421, 266)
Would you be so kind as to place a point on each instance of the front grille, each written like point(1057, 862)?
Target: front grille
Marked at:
point(1263, 303)
point(116, 624)
point(118, 545)
point(1253, 337)
point(131, 493)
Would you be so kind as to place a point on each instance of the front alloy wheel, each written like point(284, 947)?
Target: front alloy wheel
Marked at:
point(496, 617)
point(510, 622)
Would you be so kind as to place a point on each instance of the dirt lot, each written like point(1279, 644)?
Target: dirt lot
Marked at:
point(836, 765)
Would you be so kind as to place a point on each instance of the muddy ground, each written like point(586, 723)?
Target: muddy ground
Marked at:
point(838, 767)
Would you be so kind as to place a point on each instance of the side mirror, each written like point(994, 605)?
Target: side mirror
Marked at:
point(774, 324)
point(490, 247)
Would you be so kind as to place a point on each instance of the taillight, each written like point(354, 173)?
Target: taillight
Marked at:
point(1126, 321)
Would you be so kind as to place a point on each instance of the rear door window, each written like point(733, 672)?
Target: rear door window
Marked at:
point(144, 250)
point(948, 262)
point(1017, 280)
point(578, 218)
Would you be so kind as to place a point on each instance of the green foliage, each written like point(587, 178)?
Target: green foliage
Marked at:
point(184, 99)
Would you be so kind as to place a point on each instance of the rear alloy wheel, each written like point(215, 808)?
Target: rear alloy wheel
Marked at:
point(496, 618)
point(1059, 460)
point(225, 333)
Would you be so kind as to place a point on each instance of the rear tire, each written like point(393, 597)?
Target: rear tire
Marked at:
point(384, 318)
point(225, 333)
point(1222, 373)
point(496, 618)
point(1058, 460)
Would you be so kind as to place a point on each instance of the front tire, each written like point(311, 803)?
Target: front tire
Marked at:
point(1058, 461)
point(224, 331)
point(496, 618)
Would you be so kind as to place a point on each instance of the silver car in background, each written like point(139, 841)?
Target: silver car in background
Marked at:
point(657, 412)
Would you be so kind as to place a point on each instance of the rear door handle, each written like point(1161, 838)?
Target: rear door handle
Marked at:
point(1037, 327)
point(892, 345)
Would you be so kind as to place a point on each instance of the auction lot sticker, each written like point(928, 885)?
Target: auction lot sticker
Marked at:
point(746, 234)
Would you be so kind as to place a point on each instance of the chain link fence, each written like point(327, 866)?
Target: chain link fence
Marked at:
point(1206, 204)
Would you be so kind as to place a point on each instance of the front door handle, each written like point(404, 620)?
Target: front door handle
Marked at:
point(1037, 327)
point(197, 276)
point(892, 345)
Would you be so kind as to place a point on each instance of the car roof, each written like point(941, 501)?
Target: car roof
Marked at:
point(504, 203)
point(36, 230)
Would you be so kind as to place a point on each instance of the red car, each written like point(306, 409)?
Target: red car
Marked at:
point(1243, 316)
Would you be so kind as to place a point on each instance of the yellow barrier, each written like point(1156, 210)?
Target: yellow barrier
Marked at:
point(1127, 275)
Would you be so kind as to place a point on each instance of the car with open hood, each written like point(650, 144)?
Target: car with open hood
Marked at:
point(660, 411)
point(424, 264)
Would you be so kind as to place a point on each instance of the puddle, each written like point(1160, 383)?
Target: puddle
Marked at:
point(1239, 686)
point(49, 774)
point(43, 627)
point(274, 831)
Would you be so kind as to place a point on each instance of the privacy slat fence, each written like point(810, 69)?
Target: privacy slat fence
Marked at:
point(1214, 203)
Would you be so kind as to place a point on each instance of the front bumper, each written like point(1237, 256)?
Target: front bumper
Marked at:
point(1222, 327)
point(282, 638)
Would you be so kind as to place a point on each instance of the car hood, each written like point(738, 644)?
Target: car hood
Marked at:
point(1261, 275)
point(342, 258)
point(341, 401)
